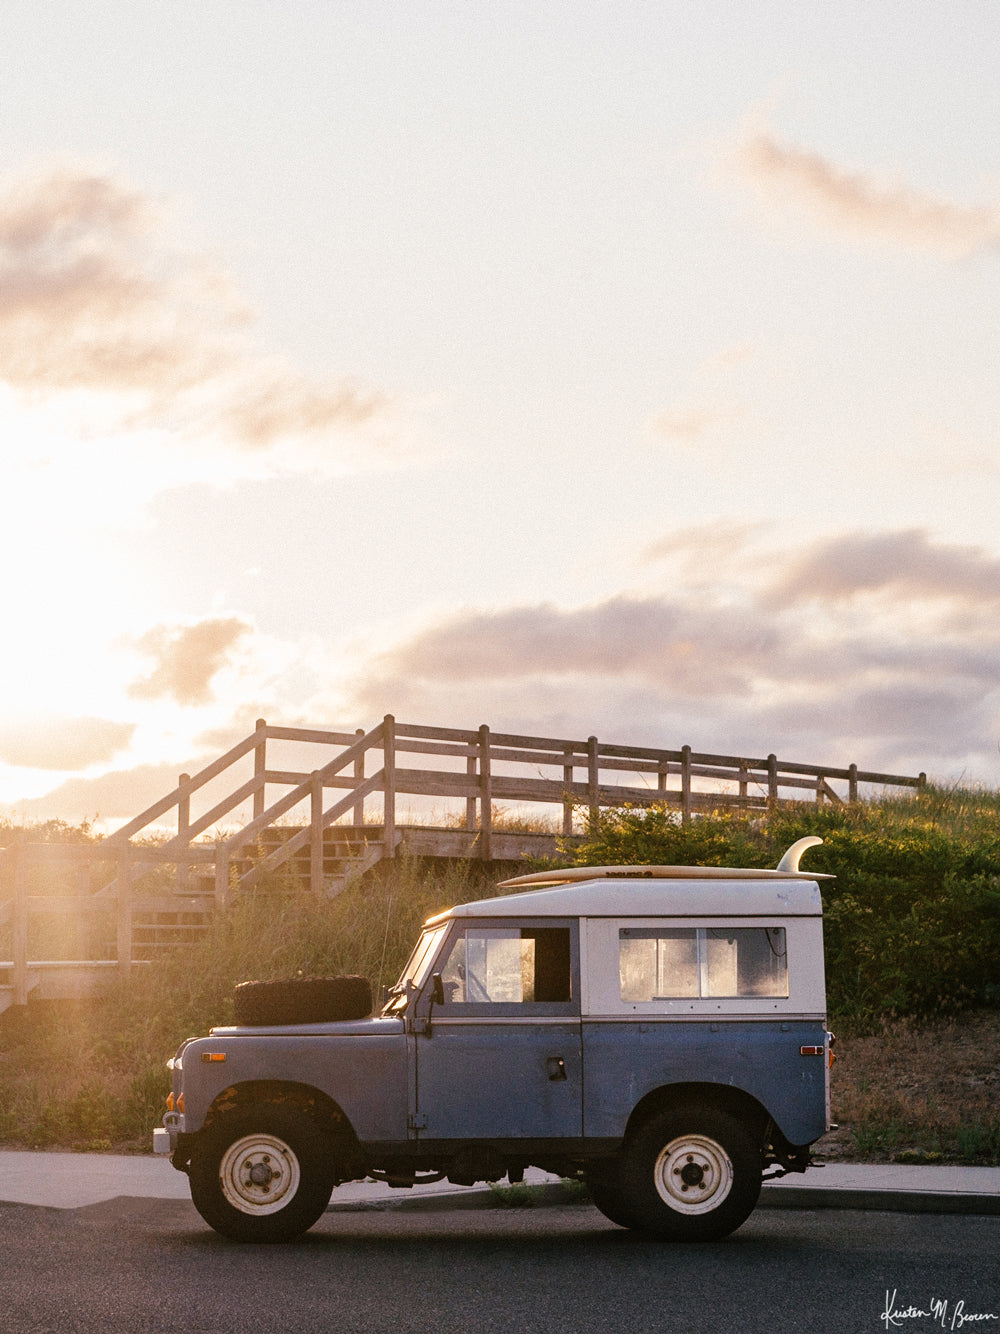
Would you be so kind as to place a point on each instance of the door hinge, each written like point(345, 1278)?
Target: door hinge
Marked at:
point(417, 1121)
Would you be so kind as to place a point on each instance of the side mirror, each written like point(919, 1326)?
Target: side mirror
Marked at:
point(437, 989)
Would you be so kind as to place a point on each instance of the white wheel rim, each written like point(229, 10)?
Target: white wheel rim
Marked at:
point(693, 1174)
point(259, 1174)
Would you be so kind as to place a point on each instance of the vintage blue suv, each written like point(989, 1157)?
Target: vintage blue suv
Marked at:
point(656, 1031)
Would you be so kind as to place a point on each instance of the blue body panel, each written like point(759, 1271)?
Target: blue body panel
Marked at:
point(488, 1080)
point(362, 1066)
point(625, 1061)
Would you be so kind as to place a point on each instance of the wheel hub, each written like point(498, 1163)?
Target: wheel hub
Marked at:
point(693, 1174)
point(259, 1174)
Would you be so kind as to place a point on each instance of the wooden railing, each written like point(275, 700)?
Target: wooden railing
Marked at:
point(470, 771)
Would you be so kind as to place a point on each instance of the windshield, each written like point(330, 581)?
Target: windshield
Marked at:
point(417, 965)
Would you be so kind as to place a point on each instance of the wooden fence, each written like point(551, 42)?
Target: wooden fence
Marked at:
point(187, 859)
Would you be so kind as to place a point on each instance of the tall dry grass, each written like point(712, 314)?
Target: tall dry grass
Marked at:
point(92, 1074)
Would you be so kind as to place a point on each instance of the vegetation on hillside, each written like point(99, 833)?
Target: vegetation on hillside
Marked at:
point(912, 920)
point(92, 1073)
point(912, 936)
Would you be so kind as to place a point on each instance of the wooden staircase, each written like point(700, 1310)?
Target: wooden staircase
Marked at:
point(8, 991)
point(163, 927)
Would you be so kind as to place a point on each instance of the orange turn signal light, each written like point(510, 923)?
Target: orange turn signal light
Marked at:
point(213, 1056)
point(170, 1101)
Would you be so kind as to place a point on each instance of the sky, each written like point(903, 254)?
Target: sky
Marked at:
point(623, 369)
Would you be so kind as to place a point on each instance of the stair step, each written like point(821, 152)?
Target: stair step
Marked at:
point(7, 988)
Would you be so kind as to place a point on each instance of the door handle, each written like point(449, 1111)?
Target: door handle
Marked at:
point(556, 1067)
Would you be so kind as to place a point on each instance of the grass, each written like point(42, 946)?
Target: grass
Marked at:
point(918, 1093)
point(527, 1195)
point(91, 1075)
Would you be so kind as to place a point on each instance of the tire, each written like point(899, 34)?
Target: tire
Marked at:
point(262, 1174)
point(302, 1000)
point(688, 1174)
point(604, 1185)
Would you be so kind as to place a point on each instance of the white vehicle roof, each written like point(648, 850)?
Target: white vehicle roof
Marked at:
point(658, 891)
point(674, 896)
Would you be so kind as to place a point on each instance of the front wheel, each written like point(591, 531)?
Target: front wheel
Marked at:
point(689, 1174)
point(262, 1174)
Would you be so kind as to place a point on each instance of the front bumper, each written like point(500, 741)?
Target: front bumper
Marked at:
point(165, 1137)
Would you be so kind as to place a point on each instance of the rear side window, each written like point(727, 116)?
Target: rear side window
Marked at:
point(504, 965)
point(665, 963)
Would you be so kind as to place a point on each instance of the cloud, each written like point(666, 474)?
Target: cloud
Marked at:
point(643, 639)
point(788, 179)
point(905, 562)
point(845, 650)
point(97, 294)
point(878, 648)
point(62, 743)
point(187, 658)
point(724, 390)
point(691, 422)
point(118, 795)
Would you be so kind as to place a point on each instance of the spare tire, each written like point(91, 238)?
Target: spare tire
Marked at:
point(302, 1000)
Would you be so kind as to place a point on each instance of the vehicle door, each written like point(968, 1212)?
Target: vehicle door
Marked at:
point(499, 1056)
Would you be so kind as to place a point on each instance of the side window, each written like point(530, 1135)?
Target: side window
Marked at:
point(508, 965)
point(665, 963)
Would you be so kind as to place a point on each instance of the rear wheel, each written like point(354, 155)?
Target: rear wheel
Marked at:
point(262, 1173)
point(688, 1174)
point(604, 1186)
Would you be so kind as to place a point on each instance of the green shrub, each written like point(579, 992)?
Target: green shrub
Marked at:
point(912, 920)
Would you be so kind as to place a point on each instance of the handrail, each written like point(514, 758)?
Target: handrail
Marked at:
point(480, 752)
point(158, 808)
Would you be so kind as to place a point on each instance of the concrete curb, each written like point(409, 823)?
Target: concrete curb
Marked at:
point(543, 1195)
point(555, 1194)
point(888, 1201)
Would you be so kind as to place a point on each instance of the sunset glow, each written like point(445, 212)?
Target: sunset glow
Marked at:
point(576, 369)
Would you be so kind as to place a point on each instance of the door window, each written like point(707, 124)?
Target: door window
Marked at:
point(508, 965)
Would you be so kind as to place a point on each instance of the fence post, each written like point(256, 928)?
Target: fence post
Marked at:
point(744, 783)
point(183, 825)
point(124, 887)
point(852, 783)
point(921, 781)
point(772, 781)
point(81, 888)
point(685, 783)
point(389, 784)
point(593, 783)
point(20, 942)
point(820, 784)
point(359, 776)
point(221, 874)
point(316, 833)
point(259, 766)
point(471, 772)
point(567, 820)
point(485, 796)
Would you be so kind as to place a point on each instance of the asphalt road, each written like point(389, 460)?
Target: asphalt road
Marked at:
point(151, 1267)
